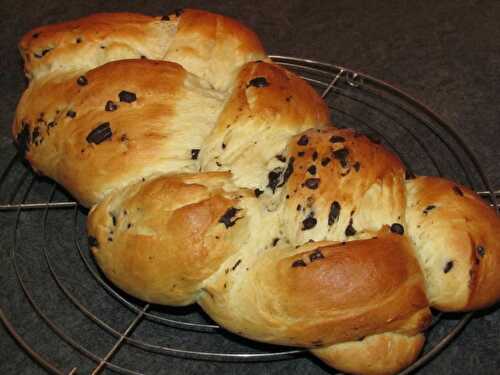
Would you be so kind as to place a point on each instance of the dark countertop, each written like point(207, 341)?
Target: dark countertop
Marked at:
point(444, 53)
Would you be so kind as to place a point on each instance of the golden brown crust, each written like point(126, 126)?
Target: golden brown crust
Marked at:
point(382, 354)
point(161, 239)
point(90, 149)
point(322, 293)
point(457, 241)
point(268, 105)
point(342, 185)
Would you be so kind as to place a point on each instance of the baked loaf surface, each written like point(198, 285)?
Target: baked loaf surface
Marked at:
point(215, 177)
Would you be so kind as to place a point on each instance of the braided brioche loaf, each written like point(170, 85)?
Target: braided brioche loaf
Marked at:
point(215, 177)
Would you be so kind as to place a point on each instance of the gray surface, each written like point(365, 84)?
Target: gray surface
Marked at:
point(444, 53)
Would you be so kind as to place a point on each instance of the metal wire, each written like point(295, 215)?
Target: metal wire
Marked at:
point(377, 97)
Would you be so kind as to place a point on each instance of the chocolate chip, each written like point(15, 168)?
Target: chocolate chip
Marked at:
point(275, 241)
point(303, 140)
point(101, 133)
point(93, 241)
point(223, 146)
point(312, 183)
point(301, 153)
point(356, 166)
point(194, 153)
point(350, 231)
point(274, 178)
point(337, 139)
point(428, 208)
point(218, 164)
point(165, 18)
point(36, 35)
point(258, 82)
point(24, 139)
point(52, 124)
point(258, 192)
point(409, 175)
point(227, 218)
point(480, 250)
point(78, 40)
point(309, 222)
point(127, 96)
point(334, 212)
point(236, 264)
point(43, 53)
point(325, 161)
point(312, 169)
point(281, 158)
point(110, 106)
point(457, 190)
point(36, 137)
point(316, 255)
point(299, 207)
point(397, 228)
point(71, 113)
point(82, 81)
point(315, 155)
point(299, 263)
point(288, 171)
point(341, 155)
point(448, 266)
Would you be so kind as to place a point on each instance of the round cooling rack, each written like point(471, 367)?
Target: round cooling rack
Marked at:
point(71, 320)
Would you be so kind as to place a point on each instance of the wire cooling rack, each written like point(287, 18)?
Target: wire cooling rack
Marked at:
point(71, 320)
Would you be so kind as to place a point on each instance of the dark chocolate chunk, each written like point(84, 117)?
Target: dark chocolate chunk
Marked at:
point(448, 266)
point(127, 96)
point(334, 212)
point(428, 208)
point(288, 171)
point(43, 53)
point(457, 190)
point(236, 264)
point(223, 146)
point(93, 241)
point(101, 133)
point(301, 153)
point(315, 155)
point(218, 164)
point(312, 183)
point(258, 192)
point(316, 255)
point(275, 241)
point(299, 207)
point(350, 231)
point(341, 155)
point(409, 175)
point(274, 178)
point(281, 158)
point(24, 139)
point(36, 35)
point(165, 18)
point(110, 106)
point(258, 82)
point(312, 169)
point(299, 263)
point(397, 228)
point(227, 218)
point(480, 250)
point(337, 139)
point(78, 40)
point(325, 161)
point(71, 113)
point(113, 219)
point(82, 81)
point(356, 166)
point(303, 140)
point(194, 153)
point(309, 222)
